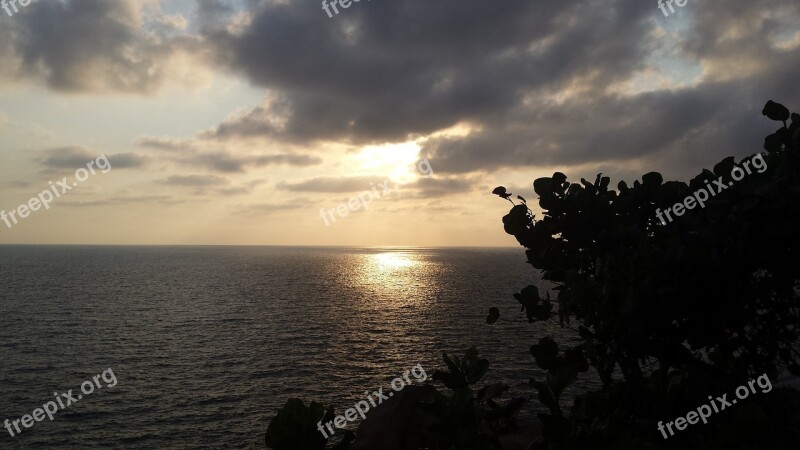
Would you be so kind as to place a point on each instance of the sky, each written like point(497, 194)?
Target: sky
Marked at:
point(388, 124)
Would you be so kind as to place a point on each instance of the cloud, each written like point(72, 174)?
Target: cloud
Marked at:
point(195, 181)
point(195, 153)
point(578, 84)
point(230, 163)
point(293, 160)
point(73, 157)
point(211, 184)
point(425, 187)
point(127, 160)
point(165, 143)
point(262, 209)
point(124, 200)
point(332, 184)
point(400, 69)
point(429, 187)
point(94, 45)
point(537, 83)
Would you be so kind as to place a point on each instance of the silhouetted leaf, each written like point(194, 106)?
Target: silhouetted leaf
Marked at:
point(500, 191)
point(652, 179)
point(724, 167)
point(543, 186)
point(773, 143)
point(491, 392)
point(776, 111)
point(545, 352)
point(477, 371)
point(559, 178)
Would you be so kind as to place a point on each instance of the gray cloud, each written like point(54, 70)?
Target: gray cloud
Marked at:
point(67, 157)
point(230, 163)
point(410, 68)
point(127, 160)
point(91, 45)
point(534, 77)
point(73, 157)
point(186, 152)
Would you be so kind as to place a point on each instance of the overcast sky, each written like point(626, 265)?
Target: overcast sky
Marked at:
point(237, 122)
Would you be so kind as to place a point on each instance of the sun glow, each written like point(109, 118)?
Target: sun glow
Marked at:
point(395, 161)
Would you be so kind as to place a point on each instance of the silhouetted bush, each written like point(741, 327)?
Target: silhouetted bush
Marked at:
point(465, 417)
point(707, 301)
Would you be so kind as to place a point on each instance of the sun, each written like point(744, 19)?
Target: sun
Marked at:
point(395, 161)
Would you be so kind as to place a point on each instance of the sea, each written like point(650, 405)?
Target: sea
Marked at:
point(207, 343)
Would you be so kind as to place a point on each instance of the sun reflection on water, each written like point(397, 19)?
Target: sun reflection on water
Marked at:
point(392, 260)
point(395, 278)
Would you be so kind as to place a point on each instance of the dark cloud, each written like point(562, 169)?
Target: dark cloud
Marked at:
point(91, 45)
point(67, 157)
point(389, 70)
point(535, 79)
point(127, 160)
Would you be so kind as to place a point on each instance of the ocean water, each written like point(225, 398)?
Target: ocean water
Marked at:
point(207, 343)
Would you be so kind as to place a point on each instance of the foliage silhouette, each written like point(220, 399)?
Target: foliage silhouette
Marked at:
point(467, 417)
point(295, 427)
point(709, 300)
